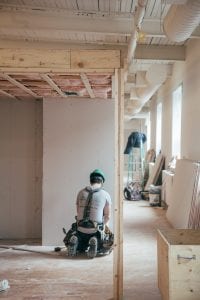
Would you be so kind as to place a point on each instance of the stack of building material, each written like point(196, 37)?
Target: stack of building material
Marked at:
point(167, 183)
point(194, 216)
point(184, 209)
point(156, 171)
point(154, 195)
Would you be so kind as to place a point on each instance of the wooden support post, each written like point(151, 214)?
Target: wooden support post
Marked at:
point(118, 205)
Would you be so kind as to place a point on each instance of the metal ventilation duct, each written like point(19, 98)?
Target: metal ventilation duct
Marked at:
point(181, 20)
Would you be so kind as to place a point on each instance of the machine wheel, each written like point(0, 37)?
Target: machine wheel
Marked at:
point(127, 194)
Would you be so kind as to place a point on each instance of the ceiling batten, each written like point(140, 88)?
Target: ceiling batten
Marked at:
point(54, 86)
point(87, 85)
point(19, 85)
point(7, 94)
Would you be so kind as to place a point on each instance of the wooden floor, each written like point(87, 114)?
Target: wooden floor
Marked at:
point(51, 275)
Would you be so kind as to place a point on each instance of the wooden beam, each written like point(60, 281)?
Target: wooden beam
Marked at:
point(64, 44)
point(54, 86)
point(154, 52)
point(118, 204)
point(34, 58)
point(7, 94)
point(87, 85)
point(49, 71)
point(95, 59)
point(19, 85)
point(60, 22)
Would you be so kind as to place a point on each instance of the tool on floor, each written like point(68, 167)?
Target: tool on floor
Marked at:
point(4, 285)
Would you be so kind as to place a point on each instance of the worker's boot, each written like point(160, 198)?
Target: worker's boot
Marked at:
point(92, 249)
point(73, 245)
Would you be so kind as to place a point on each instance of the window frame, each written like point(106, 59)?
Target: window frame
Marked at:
point(177, 95)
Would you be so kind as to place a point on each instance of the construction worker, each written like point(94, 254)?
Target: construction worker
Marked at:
point(93, 214)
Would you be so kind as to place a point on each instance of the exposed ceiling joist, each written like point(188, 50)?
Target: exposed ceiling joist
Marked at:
point(153, 52)
point(7, 94)
point(80, 84)
point(19, 43)
point(54, 86)
point(50, 9)
point(87, 85)
point(58, 22)
point(19, 85)
point(46, 23)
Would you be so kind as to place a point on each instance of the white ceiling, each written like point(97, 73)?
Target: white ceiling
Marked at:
point(92, 23)
point(107, 22)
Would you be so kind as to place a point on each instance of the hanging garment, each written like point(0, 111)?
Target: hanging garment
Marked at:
point(135, 140)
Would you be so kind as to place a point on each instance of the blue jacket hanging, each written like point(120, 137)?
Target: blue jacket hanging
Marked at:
point(135, 140)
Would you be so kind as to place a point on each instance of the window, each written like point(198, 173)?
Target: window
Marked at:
point(148, 125)
point(176, 121)
point(158, 128)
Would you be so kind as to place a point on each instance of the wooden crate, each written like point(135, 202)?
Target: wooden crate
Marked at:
point(179, 264)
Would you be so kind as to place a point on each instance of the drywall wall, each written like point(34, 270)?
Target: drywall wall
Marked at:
point(186, 73)
point(164, 95)
point(78, 137)
point(20, 168)
point(191, 103)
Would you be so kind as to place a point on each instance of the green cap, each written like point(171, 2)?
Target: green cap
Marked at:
point(97, 172)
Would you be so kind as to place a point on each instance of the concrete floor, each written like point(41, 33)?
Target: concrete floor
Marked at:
point(52, 275)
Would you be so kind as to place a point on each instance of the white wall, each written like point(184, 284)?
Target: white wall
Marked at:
point(188, 74)
point(191, 103)
point(20, 168)
point(78, 137)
